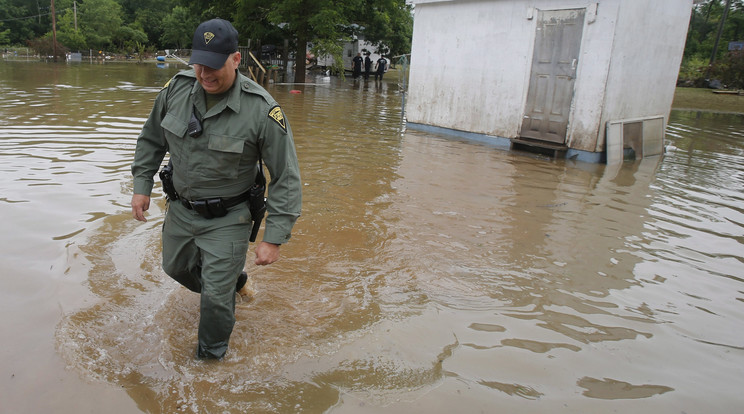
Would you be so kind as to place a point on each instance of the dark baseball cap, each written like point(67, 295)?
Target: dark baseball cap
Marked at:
point(214, 40)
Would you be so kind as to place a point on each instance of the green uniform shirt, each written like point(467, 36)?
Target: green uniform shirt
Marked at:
point(222, 161)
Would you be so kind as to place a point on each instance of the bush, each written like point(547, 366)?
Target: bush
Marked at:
point(730, 70)
point(45, 47)
point(692, 73)
point(727, 72)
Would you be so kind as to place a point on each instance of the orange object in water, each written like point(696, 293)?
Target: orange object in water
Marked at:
point(295, 91)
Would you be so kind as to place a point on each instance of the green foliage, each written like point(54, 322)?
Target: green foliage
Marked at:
point(693, 72)
point(100, 20)
point(730, 70)
point(124, 24)
point(327, 24)
point(21, 22)
point(178, 28)
point(333, 49)
point(128, 36)
point(67, 35)
point(44, 46)
point(389, 25)
point(72, 39)
point(209, 9)
point(705, 23)
point(139, 49)
point(150, 19)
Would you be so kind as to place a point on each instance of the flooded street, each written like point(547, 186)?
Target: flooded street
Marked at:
point(426, 274)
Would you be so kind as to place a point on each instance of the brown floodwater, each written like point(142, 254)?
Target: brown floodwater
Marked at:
point(427, 274)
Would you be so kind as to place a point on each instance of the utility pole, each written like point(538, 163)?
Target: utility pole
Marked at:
point(54, 32)
point(720, 30)
point(74, 8)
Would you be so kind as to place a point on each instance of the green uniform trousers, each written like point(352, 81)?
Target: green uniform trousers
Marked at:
point(207, 256)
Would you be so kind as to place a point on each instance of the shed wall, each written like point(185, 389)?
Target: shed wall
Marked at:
point(585, 127)
point(646, 57)
point(468, 66)
point(471, 63)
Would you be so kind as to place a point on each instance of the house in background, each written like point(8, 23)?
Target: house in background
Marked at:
point(589, 80)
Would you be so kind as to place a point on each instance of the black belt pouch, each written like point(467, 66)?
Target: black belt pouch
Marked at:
point(210, 208)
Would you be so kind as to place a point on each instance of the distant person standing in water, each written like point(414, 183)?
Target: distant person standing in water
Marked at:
point(356, 65)
point(367, 66)
point(380, 67)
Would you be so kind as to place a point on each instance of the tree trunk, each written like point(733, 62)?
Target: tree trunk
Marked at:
point(300, 56)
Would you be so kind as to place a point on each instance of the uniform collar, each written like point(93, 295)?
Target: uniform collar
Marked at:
point(231, 100)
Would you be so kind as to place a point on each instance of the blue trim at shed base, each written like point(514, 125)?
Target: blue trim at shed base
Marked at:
point(504, 143)
point(586, 156)
point(489, 140)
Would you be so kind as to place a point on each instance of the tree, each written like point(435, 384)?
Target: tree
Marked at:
point(210, 9)
point(705, 22)
point(68, 35)
point(148, 15)
point(45, 46)
point(122, 24)
point(327, 23)
point(128, 36)
point(5, 37)
point(388, 24)
point(23, 20)
point(99, 21)
point(178, 28)
point(302, 20)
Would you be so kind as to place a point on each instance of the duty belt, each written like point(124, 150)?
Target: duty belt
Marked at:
point(214, 207)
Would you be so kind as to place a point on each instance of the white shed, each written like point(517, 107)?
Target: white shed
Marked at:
point(583, 79)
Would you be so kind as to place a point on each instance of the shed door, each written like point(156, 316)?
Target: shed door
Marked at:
point(554, 64)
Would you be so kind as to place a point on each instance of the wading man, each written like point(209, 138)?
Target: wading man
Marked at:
point(216, 124)
point(356, 65)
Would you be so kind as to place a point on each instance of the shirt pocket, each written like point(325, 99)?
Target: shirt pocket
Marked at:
point(223, 156)
point(175, 130)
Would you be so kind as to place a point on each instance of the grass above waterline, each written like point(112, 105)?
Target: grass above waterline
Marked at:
point(703, 99)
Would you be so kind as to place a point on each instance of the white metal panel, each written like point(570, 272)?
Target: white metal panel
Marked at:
point(651, 137)
point(614, 143)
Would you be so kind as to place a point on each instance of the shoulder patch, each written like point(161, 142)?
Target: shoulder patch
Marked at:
point(278, 116)
point(184, 73)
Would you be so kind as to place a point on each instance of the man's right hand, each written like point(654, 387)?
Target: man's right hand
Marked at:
point(266, 253)
point(140, 204)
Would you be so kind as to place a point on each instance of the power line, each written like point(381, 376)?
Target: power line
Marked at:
point(33, 17)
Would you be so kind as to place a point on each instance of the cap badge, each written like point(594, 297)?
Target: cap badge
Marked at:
point(208, 36)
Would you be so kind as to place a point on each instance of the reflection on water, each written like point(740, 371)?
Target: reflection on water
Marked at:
point(426, 274)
